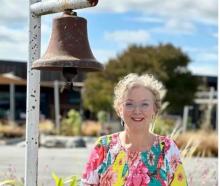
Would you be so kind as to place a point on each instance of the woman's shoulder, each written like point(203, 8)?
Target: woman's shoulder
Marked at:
point(107, 139)
point(165, 139)
point(168, 143)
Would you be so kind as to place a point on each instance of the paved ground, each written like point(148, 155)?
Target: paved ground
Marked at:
point(67, 162)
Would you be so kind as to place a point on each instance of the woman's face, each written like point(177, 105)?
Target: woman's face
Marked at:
point(137, 108)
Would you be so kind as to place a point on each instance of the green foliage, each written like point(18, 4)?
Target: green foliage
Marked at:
point(102, 116)
point(72, 181)
point(98, 93)
point(163, 126)
point(166, 62)
point(58, 181)
point(71, 125)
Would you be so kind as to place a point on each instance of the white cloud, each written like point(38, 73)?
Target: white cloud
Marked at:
point(104, 55)
point(204, 69)
point(13, 43)
point(204, 55)
point(173, 26)
point(179, 26)
point(197, 10)
point(208, 57)
point(126, 37)
point(148, 19)
point(13, 11)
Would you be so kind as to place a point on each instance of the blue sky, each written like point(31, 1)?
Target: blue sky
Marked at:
point(113, 25)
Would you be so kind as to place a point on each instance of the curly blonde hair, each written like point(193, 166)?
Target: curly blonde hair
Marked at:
point(132, 80)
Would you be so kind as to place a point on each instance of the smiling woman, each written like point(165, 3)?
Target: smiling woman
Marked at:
point(135, 156)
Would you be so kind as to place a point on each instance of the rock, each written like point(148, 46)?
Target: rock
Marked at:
point(80, 142)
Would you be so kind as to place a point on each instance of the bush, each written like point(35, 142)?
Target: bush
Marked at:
point(91, 128)
point(102, 116)
point(46, 127)
point(11, 131)
point(71, 125)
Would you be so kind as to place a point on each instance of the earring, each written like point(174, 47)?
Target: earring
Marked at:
point(153, 118)
point(122, 123)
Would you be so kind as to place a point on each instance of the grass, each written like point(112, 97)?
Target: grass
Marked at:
point(199, 143)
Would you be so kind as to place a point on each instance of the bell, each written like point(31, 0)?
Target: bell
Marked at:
point(69, 49)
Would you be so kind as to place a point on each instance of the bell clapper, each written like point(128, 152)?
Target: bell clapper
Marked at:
point(69, 75)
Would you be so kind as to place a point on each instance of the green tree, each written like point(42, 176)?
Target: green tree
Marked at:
point(166, 62)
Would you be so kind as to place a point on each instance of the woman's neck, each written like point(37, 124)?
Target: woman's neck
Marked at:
point(137, 141)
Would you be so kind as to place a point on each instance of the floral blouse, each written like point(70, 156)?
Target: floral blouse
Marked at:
point(110, 164)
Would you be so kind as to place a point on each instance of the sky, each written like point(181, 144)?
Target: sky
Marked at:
point(191, 25)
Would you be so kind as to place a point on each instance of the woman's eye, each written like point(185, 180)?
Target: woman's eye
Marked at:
point(145, 104)
point(128, 104)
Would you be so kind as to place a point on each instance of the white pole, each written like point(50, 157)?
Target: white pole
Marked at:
point(210, 105)
point(185, 116)
point(57, 105)
point(33, 100)
point(12, 102)
point(36, 8)
point(54, 6)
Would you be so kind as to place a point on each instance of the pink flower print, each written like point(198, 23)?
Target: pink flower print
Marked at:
point(166, 143)
point(95, 159)
point(109, 178)
point(160, 162)
point(170, 176)
point(137, 180)
point(138, 176)
point(151, 158)
point(174, 161)
point(114, 141)
point(132, 157)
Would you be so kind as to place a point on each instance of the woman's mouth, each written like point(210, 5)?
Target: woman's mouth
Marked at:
point(137, 119)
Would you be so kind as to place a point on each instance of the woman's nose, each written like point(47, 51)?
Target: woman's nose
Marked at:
point(137, 109)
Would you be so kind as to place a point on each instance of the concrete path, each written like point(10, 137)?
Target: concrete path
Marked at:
point(67, 162)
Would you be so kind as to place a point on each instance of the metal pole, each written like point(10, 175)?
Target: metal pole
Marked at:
point(33, 96)
point(12, 102)
point(54, 6)
point(57, 105)
point(36, 8)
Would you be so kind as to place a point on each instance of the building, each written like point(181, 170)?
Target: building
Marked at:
point(68, 98)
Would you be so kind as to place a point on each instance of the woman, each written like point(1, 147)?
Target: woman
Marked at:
point(135, 156)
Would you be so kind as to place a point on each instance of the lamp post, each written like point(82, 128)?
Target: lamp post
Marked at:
point(36, 10)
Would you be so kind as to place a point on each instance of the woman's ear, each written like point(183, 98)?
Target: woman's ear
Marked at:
point(120, 112)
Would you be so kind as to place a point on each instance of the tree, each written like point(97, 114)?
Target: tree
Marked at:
point(166, 62)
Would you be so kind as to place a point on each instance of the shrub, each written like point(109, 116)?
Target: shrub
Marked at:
point(71, 124)
point(91, 128)
point(46, 127)
point(11, 131)
point(102, 116)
